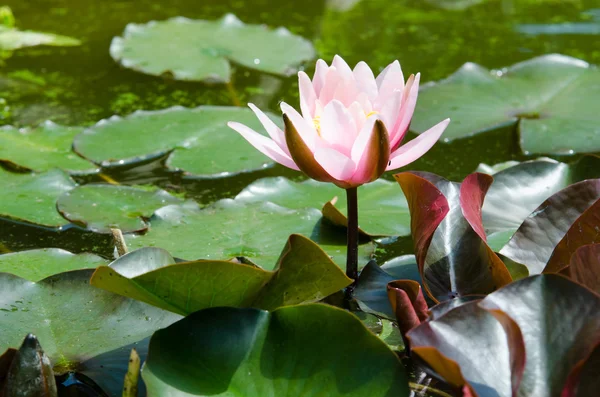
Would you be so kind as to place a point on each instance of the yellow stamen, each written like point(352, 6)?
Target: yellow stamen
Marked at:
point(317, 124)
point(372, 112)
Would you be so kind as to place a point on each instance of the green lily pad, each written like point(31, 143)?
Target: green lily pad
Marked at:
point(13, 39)
point(42, 148)
point(307, 350)
point(100, 207)
point(304, 273)
point(36, 265)
point(32, 198)
point(200, 50)
point(383, 207)
point(549, 97)
point(200, 139)
point(73, 320)
point(230, 229)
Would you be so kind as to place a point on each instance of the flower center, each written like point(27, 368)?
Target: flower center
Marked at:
point(317, 124)
point(371, 113)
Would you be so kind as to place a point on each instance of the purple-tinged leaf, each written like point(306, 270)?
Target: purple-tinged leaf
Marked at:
point(585, 266)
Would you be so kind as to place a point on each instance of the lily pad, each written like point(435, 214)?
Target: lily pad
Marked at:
point(201, 142)
point(36, 265)
point(100, 207)
point(73, 320)
point(201, 50)
point(308, 350)
point(42, 148)
point(548, 97)
point(383, 210)
point(304, 273)
point(32, 198)
point(13, 39)
point(229, 229)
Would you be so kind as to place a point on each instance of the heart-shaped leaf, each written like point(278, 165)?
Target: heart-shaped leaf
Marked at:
point(408, 303)
point(200, 139)
point(199, 50)
point(229, 229)
point(308, 350)
point(36, 265)
point(378, 202)
point(548, 96)
point(448, 235)
point(100, 207)
point(32, 198)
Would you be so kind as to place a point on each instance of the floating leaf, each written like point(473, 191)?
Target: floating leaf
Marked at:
point(408, 303)
point(292, 351)
point(13, 39)
point(42, 148)
point(100, 207)
point(73, 320)
point(36, 265)
point(563, 222)
point(448, 236)
point(201, 141)
point(32, 198)
point(379, 202)
point(304, 273)
point(200, 50)
point(548, 97)
point(230, 229)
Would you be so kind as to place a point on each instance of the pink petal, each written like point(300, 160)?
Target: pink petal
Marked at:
point(389, 80)
point(390, 112)
point(342, 68)
point(332, 80)
point(346, 92)
point(307, 131)
point(338, 127)
point(319, 77)
point(358, 114)
point(264, 145)
point(365, 80)
point(335, 163)
point(374, 157)
point(307, 96)
point(416, 148)
point(274, 132)
point(362, 139)
point(406, 111)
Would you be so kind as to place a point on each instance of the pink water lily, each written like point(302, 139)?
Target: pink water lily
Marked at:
point(351, 126)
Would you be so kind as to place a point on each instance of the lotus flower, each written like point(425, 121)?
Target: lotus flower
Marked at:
point(351, 125)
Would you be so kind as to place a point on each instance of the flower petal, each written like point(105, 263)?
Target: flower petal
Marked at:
point(411, 92)
point(362, 140)
point(389, 80)
point(416, 148)
point(374, 158)
point(319, 77)
point(342, 68)
point(307, 96)
point(390, 112)
point(335, 163)
point(302, 155)
point(338, 128)
point(365, 80)
point(274, 132)
point(358, 114)
point(332, 80)
point(264, 145)
point(307, 131)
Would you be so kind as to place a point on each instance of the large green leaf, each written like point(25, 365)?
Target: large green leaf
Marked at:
point(524, 339)
point(304, 273)
point(42, 148)
point(230, 229)
point(378, 202)
point(32, 198)
point(13, 39)
point(35, 265)
point(100, 207)
point(307, 350)
point(200, 50)
point(549, 97)
point(203, 144)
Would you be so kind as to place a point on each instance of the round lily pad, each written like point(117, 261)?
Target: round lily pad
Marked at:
point(230, 229)
point(13, 39)
point(383, 210)
point(549, 97)
point(32, 197)
point(200, 139)
point(200, 50)
point(36, 265)
point(100, 207)
point(42, 148)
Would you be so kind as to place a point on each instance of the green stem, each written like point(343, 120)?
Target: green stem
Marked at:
point(352, 240)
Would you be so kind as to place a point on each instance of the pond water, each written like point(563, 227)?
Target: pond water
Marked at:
point(82, 85)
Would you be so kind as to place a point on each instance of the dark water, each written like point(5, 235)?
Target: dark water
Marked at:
point(82, 85)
